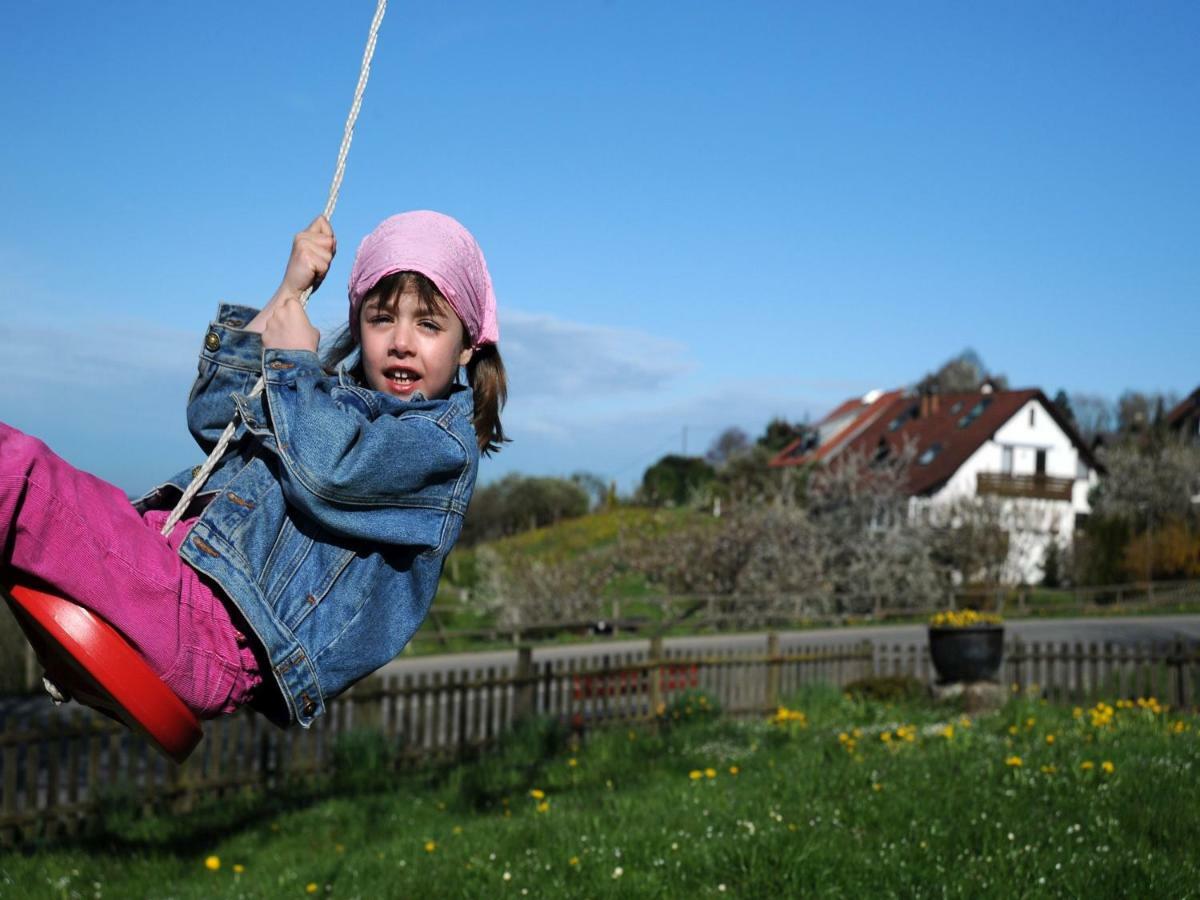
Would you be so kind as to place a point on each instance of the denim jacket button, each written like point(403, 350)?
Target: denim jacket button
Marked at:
point(310, 707)
point(212, 342)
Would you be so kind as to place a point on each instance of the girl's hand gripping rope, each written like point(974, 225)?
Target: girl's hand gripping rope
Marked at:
point(283, 323)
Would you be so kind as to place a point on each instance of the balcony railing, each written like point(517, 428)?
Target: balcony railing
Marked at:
point(1037, 487)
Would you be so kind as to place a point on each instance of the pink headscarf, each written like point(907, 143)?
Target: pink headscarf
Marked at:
point(443, 251)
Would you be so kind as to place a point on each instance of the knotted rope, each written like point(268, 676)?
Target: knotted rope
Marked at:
point(334, 188)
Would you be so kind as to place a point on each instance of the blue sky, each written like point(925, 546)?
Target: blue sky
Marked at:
point(696, 215)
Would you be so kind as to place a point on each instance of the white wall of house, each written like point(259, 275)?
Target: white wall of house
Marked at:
point(1031, 523)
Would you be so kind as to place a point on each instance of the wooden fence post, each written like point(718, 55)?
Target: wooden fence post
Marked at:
point(1177, 653)
point(368, 711)
point(525, 686)
point(773, 664)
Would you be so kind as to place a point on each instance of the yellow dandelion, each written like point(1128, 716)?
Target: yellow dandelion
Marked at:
point(238, 868)
point(572, 762)
point(1107, 766)
point(544, 806)
point(212, 863)
point(1029, 723)
point(886, 737)
point(1049, 739)
point(430, 846)
point(1049, 770)
point(1012, 729)
point(733, 770)
point(1087, 765)
point(710, 773)
point(573, 861)
point(1014, 761)
point(537, 794)
point(310, 888)
point(948, 732)
point(1077, 712)
point(876, 786)
point(695, 774)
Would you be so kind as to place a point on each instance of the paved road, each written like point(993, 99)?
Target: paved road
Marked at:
point(1119, 630)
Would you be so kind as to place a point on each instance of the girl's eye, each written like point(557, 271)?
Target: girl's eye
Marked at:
point(380, 319)
point(431, 325)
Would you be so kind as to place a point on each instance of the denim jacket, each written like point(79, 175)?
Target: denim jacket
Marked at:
point(327, 521)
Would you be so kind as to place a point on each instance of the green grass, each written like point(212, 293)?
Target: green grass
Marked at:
point(859, 798)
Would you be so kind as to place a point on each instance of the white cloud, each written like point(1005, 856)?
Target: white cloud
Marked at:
point(548, 357)
point(99, 352)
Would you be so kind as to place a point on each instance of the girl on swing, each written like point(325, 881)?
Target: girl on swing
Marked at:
point(314, 550)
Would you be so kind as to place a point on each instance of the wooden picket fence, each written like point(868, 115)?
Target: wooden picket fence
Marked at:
point(59, 768)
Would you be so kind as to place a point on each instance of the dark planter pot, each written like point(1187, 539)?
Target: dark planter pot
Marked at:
point(973, 653)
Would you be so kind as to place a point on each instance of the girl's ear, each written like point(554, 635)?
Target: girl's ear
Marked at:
point(465, 356)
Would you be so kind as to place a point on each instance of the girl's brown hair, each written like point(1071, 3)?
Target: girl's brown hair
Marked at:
point(485, 371)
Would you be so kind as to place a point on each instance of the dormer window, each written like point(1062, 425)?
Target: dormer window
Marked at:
point(927, 456)
point(975, 413)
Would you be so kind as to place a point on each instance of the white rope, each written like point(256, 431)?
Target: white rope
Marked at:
point(334, 188)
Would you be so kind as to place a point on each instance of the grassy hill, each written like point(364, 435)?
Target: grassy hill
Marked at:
point(581, 539)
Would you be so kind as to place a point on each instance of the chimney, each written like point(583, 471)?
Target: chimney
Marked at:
point(929, 402)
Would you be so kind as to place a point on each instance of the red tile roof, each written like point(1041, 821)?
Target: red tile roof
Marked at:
point(943, 429)
point(1189, 407)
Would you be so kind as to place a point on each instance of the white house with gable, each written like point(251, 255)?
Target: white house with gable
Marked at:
point(1013, 447)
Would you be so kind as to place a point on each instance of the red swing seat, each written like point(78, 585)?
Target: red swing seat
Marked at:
point(92, 662)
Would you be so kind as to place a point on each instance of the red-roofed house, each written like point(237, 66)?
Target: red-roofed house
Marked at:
point(1184, 419)
point(1012, 445)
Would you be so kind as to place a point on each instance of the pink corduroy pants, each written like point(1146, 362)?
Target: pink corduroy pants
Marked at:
point(80, 535)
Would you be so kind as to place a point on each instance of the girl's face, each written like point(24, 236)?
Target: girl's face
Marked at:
point(409, 346)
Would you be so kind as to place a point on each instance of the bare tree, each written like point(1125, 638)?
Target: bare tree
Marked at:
point(878, 555)
point(757, 562)
point(727, 445)
point(1094, 415)
point(969, 539)
point(522, 592)
point(1148, 485)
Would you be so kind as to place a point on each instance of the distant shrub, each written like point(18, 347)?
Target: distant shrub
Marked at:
point(886, 688)
point(691, 705)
